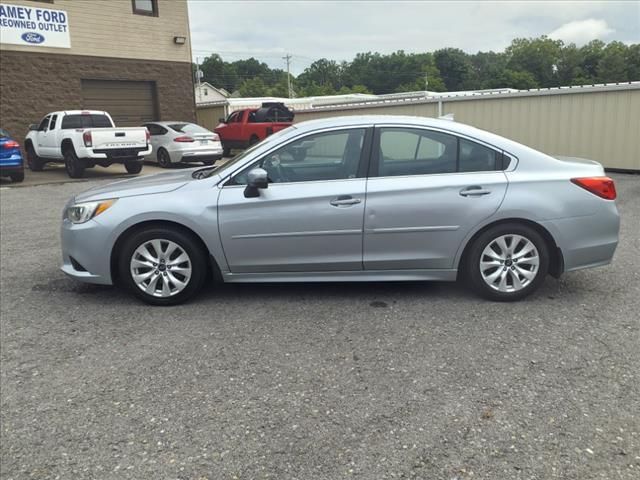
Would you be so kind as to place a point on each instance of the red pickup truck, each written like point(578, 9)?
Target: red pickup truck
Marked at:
point(244, 128)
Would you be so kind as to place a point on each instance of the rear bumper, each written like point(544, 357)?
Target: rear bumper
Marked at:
point(587, 241)
point(187, 152)
point(6, 170)
point(116, 155)
point(200, 157)
point(11, 164)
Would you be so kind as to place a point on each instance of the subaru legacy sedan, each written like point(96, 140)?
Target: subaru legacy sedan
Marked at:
point(350, 199)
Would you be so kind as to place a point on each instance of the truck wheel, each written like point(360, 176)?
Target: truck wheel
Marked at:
point(164, 160)
point(226, 151)
point(73, 165)
point(253, 140)
point(17, 177)
point(34, 162)
point(133, 166)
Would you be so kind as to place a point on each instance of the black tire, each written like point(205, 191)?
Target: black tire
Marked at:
point(208, 162)
point(253, 140)
point(72, 164)
point(226, 151)
point(35, 163)
point(186, 241)
point(164, 160)
point(133, 166)
point(473, 273)
point(17, 177)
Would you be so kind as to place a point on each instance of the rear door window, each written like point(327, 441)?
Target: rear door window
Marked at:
point(408, 151)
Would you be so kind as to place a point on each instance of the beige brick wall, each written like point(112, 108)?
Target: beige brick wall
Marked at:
point(109, 28)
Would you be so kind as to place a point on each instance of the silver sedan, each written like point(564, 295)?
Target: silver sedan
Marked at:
point(350, 199)
point(178, 142)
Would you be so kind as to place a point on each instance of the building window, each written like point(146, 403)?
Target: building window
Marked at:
point(145, 7)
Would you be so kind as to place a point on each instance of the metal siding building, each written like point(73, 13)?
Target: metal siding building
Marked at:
point(600, 122)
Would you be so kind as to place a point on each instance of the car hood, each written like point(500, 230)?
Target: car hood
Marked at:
point(145, 185)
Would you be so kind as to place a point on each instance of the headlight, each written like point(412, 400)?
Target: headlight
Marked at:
point(83, 212)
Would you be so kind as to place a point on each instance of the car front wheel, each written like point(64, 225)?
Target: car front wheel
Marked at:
point(507, 262)
point(162, 266)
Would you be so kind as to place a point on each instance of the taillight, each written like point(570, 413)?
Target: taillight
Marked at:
point(600, 186)
point(215, 137)
point(183, 139)
point(147, 134)
point(88, 141)
point(10, 144)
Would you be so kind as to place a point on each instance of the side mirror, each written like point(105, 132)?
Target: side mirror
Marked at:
point(33, 126)
point(256, 179)
point(221, 120)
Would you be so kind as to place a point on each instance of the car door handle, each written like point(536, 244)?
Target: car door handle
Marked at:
point(343, 200)
point(474, 191)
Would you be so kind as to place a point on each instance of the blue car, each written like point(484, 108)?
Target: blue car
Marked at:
point(11, 163)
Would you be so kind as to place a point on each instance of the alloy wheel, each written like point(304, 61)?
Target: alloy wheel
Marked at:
point(160, 268)
point(509, 263)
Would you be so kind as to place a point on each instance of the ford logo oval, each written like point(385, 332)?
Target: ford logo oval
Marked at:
point(32, 37)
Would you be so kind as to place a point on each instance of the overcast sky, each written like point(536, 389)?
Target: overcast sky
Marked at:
point(338, 30)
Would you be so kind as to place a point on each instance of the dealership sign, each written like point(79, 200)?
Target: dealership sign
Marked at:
point(25, 25)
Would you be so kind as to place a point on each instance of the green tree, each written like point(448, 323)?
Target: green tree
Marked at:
point(455, 68)
point(612, 66)
point(253, 87)
point(538, 56)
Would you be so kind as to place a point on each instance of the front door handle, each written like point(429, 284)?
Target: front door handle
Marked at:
point(344, 200)
point(474, 191)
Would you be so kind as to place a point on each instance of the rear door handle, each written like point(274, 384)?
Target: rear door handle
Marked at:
point(474, 191)
point(344, 200)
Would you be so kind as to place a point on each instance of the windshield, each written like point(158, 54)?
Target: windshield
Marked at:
point(188, 128)
point(207, 172)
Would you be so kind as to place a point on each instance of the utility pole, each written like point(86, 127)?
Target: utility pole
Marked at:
point(287, 57)
point(426, 84)
point(198, 74)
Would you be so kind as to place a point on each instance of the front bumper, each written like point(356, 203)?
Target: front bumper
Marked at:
point(86, 252)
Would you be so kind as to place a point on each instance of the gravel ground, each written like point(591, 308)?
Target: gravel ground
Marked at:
point(324, 381)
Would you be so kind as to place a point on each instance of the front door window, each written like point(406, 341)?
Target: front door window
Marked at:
point(318, 157)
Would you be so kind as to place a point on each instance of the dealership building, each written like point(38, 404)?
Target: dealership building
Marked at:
point(131, 58)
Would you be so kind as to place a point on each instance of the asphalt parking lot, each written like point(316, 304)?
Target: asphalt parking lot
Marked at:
point(316, 381)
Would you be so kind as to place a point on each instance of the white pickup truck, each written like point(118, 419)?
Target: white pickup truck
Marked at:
point(83, 139)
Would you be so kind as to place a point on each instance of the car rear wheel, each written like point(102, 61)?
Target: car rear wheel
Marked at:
point(164, 160)
point(162, 266)
point(226, 151)
point(35, 163)
point(507, 262)
point(73, 165)
point(133, 166)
